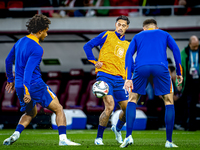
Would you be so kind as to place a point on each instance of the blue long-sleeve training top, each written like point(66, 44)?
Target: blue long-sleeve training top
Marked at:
point(27, 55)
point(151, 47)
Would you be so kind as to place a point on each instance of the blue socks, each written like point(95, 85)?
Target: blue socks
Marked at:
point(169, 121)
point(19, 128)
point(100, 131)
point(62, 130)
point(119, 125)
point(130, 117)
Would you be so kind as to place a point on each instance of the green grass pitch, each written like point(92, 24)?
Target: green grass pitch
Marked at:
point(47, 139)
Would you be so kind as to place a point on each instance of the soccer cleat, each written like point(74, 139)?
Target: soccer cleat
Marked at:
point(67, 142)
point(127, 141)
point(170, 144)
point(11, 139)
point(117, 134)
point(98, 141)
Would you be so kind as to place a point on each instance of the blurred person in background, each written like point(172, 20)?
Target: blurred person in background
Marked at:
point(190, 58)
point(189, 7)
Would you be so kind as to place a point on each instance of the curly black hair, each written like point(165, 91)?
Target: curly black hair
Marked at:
point(37, 23)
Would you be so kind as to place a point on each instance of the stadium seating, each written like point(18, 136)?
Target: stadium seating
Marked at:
point(93, 104)
point(70, 99)
point(118, 12)
point(2, 5)
point(48, 13)
point(8, 100)
point(15, 4)
point(54, 82)
point(3, 10)
point(89, 102)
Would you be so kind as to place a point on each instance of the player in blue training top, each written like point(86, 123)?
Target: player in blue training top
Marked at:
point(30, 88)
point(110, 68)
point(151, 61)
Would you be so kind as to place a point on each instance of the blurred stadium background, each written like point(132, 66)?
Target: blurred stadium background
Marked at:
point(65, 67)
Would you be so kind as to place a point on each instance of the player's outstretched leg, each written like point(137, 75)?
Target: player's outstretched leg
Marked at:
point(169, 119)
point(104, 117)
point(118, 135)
point(127, 141)
point(23, 123)
point(121, 121)
point(130, 118)
point(67, 142)
point(12, 138)
point(63, 141)
point(170, 144)
point(98, 141)
point(61, 122)
point(99, 138)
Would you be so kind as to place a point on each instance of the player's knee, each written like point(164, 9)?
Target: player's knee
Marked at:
point(59, 108)
point(123, 112)
point(109, 109)
point(168, 99)
point(32, 114)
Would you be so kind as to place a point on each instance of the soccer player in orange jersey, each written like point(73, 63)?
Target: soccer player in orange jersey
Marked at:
point(110, 67)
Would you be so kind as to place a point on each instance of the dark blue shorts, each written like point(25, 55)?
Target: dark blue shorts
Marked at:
point(161, 79)
point(116, 88)
point(40, 93)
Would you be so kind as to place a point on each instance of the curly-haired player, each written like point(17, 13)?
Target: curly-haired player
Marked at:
point(30, 88)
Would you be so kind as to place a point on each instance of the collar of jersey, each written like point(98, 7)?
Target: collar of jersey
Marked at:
point(151, 29)
point(118, 35)
point(32, 37)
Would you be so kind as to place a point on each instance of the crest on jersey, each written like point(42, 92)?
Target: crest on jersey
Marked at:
point(119, 51)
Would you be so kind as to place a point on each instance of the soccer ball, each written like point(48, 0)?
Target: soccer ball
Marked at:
point(100, 89)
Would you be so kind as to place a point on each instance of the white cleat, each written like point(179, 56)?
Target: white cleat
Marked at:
point(11, 139)
point(118, 135)
point(98, 141)
point(170, 144)
point(127, 141)
point(67, 142)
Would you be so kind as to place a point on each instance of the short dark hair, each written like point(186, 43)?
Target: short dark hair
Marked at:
point(149, 21)
point(37, 23)
point(122, 17)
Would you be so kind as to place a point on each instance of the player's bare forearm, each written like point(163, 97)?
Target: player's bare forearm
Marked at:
point(10, 86)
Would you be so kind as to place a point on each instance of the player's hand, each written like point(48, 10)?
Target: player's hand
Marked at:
point(98, 64)
point(128, 85)
point(10, 86)
point(27, 98)
point(179, 79)
point(179, 88)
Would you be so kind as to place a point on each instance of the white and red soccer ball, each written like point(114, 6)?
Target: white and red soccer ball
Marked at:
point(100, 89)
